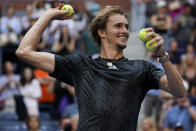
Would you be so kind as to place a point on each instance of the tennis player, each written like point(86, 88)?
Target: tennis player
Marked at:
point(111, 88)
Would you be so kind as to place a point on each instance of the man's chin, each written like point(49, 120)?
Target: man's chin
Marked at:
point(121, 46)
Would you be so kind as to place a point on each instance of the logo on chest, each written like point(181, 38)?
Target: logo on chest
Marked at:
point(111, 66)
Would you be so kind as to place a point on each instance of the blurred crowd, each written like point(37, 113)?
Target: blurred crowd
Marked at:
point(27, 91)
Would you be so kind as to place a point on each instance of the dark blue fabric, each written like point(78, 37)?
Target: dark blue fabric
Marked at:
point(108, 99)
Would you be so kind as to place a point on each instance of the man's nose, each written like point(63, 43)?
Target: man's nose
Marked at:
point(125, 30)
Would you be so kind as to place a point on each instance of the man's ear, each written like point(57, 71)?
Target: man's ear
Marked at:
point(101, 33)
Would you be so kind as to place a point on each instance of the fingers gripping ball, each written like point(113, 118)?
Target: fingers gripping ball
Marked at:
point(65, 7)
point(150, 48)
point(141, 35)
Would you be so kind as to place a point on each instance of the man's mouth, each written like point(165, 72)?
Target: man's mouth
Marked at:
point(124, 37)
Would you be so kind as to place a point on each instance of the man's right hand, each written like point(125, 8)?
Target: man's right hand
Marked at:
point(57, 13)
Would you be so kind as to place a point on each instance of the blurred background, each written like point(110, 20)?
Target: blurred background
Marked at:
point(31, 100)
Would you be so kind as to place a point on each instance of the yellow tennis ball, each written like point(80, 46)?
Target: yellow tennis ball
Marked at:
point(141, 35)
point(150, 48)
point(65, 7)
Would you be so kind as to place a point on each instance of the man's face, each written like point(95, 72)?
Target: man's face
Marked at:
point(116, 31)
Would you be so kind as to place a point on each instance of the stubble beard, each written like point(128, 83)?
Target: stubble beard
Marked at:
point(121, 47)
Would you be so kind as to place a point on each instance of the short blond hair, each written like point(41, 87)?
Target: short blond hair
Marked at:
point(99, 22)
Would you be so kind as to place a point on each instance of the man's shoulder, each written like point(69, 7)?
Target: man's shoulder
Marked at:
point(138, 62)
point(75, 56)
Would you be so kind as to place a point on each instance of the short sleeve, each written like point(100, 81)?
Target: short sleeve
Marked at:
point(154, 75)
point(67, 67)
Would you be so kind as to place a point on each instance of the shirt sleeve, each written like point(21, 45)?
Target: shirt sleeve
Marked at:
point(154, 75)
point(67, 67)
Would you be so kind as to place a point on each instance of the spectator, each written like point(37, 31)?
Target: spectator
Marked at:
point(182, 114)
point(8, 87)
point(168, 102)
point(65, 44)
point(181, 70)
point(31, 91)
point(173, 52)
point(138, 16)
point(153, 101)
point(75, 26)
point(192, 92)
point(46, 84)
point(33, 123)
point(55, 29)
point(91, 47)
point(189, 51)
point(190, 67)
point(38, 7)
point(161, 22)
point(74, 122)
point(65, 124)
point(151, 9)
point(80, 21)
point(148, 124)
point(10, 27)
point(182, 27)
point(175, 8)
point(193, 13)
point(71, 109)
point(63, 97)
point(26, 19)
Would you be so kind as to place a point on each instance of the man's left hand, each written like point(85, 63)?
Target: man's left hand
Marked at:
point(159, 47)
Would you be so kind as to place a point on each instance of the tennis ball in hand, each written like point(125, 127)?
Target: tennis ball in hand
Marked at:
point(65, 7)
point(141, 35)
point(150, 48)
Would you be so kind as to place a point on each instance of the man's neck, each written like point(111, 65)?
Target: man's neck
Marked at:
point(111, 53)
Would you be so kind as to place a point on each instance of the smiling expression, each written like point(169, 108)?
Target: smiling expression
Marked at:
point(116, 31)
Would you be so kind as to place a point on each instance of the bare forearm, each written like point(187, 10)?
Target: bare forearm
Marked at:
point(175, 83)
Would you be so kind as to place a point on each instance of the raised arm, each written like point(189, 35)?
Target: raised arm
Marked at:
point(27, 48)
point(172, 81)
